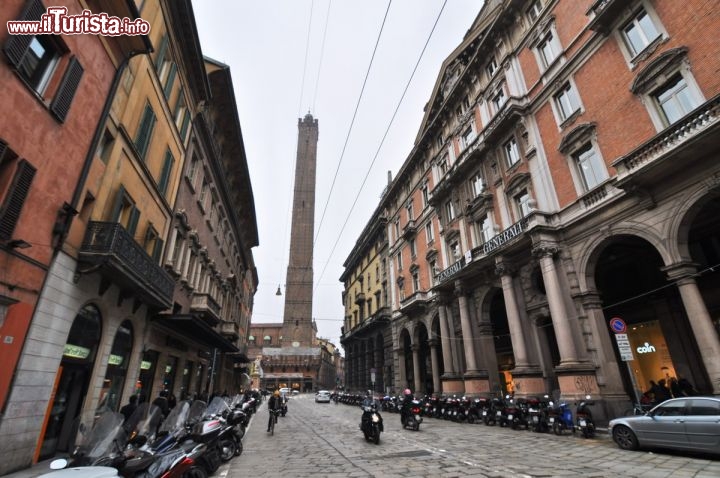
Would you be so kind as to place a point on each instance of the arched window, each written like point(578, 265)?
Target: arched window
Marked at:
point(267, 340)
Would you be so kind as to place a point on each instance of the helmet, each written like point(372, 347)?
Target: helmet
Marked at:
point(407, 392)
point(369, 392)
point(276, 393)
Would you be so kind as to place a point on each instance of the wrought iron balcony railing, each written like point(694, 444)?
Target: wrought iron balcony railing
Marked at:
point(122, 261)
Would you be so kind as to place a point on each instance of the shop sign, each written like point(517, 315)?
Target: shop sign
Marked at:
point(450, 271)
point(504, 237)
point(145, 365)
point(646, 349)
point(75, 351)
point(115, 359)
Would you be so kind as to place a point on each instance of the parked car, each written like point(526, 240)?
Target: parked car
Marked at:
point(323, 396)
point(688, 423)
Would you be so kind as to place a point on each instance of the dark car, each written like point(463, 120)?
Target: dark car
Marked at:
point(689, 423)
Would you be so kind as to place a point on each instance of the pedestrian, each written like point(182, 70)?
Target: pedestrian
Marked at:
point(662, 393)
point(675, 388)
point(274, 404)
point(130, 408)
point(162, 403)
point(686, 387)
point(172, 401)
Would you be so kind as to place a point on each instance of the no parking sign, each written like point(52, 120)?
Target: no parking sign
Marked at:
point(617, 325)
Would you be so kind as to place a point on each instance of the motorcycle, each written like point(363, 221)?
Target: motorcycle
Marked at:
point(411, 418)
point(584, 419)
point(561, 418)
point(538, 414)
point(371, 423)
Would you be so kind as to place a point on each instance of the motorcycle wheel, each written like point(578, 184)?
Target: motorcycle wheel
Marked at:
point(239, 448)
point(471, 419)
point(416, 427)
point(195, 472)
point(228, 448)
point(376, 436)
point(557, 428)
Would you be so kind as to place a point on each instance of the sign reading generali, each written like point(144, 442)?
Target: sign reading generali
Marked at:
point(504, 237)
point(445, 274)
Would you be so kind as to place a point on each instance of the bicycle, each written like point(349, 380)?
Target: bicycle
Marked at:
point(274, 414)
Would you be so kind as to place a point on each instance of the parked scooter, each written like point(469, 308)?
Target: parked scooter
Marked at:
point(561, 419)
point(584, 419)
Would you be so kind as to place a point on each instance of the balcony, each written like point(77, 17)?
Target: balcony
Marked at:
point(681, 148)
point(512, 111)
point(121, 260)
point(205, 306)
point(604, 13)
point(416, 303)
point(410, 229)
point(360, 298)
point(230, 330)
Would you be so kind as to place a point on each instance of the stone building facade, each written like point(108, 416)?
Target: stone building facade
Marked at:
point(565, 175)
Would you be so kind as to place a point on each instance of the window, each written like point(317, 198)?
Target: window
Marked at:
point(152, 243)
point(477, 185)
point(425, 195)
point(144, 131)
point(169, 81)
point(486, 230)
point(203, 195)
point(176, 257)
point(125, 212)
point(522, 201)
point(413, 249)
point(267, 340)
point(512, 154)
point(549, 49)
point(675, 408)
point(590, 166)
point(454, 251)
point(705, 407)
point(396, 225)
point(164, 179)
point(399, 261)
point(566, 101)
point(409, 209)
point(39, 61)
point(181, 114)
point(440, 141)
point(192, 170)
point(535, 9)
point(415, 281)
point(639, 33)
point(429, 235)
point(15, 178)
point(106, 144)
point(467, 137)
point(674, 99)
point(491, 67)
point(449, 211)
point(433, 270)
point(498, 100)
point(443, 165)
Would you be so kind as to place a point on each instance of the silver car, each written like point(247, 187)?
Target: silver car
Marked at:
point(691, 423)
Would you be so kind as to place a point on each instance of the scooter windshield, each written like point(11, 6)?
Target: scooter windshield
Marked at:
point(176, 418)
point(107, 435)
point(217, 407)
point(197, 410)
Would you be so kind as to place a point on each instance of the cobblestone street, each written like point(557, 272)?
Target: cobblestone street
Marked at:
point(323, 440)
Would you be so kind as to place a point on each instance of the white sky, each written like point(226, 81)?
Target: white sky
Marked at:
point(264, 43)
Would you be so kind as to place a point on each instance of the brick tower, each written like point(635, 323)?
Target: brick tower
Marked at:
point(298, 327)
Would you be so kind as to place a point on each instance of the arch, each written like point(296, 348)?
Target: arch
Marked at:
point(688, 208)
point(591, 250)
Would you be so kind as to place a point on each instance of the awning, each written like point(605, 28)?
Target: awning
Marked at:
point(196, 330)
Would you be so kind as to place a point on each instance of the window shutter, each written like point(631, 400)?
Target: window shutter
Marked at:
point(117, 207)
point(160, 58)
point(185, 123)
point(66, 92)
point(15, 198)
point(17, 45)
point(142, 139)
point(157, 251)
point(170, 81)
point(165, 173)
point(133, 222)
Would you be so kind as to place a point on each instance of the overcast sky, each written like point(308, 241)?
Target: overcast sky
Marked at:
point(264, 43)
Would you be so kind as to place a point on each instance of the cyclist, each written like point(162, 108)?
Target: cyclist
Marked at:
point(275, 403)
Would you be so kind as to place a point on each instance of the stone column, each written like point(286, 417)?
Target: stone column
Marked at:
point(468, 346)
point(434, 364)
point(512, 310)
point(417, 380)
point(445, 336)
point(705, 334)
point(558, 312)
point(402, 375)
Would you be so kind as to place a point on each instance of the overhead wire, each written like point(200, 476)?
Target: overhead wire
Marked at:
point(322, 53)
point(307, 48)
point(382, 141)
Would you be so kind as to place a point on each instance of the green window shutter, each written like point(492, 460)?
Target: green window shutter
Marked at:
point(165, 173)
point(170, 80)
point(17, 46)
point(157, 251)
point(15, 198)
point(162, 49)
point(117, 207)
point(142, 138)
point(133, 222)
point(185, 124)
point(66, 92)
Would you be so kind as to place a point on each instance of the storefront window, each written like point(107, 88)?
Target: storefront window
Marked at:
point(147, 373)
point(169, 376)
point(652, 359)
point(117, 367)
point(186, 378)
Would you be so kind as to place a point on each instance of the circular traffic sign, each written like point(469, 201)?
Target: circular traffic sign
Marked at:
point(618, 325)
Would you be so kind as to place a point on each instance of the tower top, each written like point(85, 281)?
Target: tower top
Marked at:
point(308, 119)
